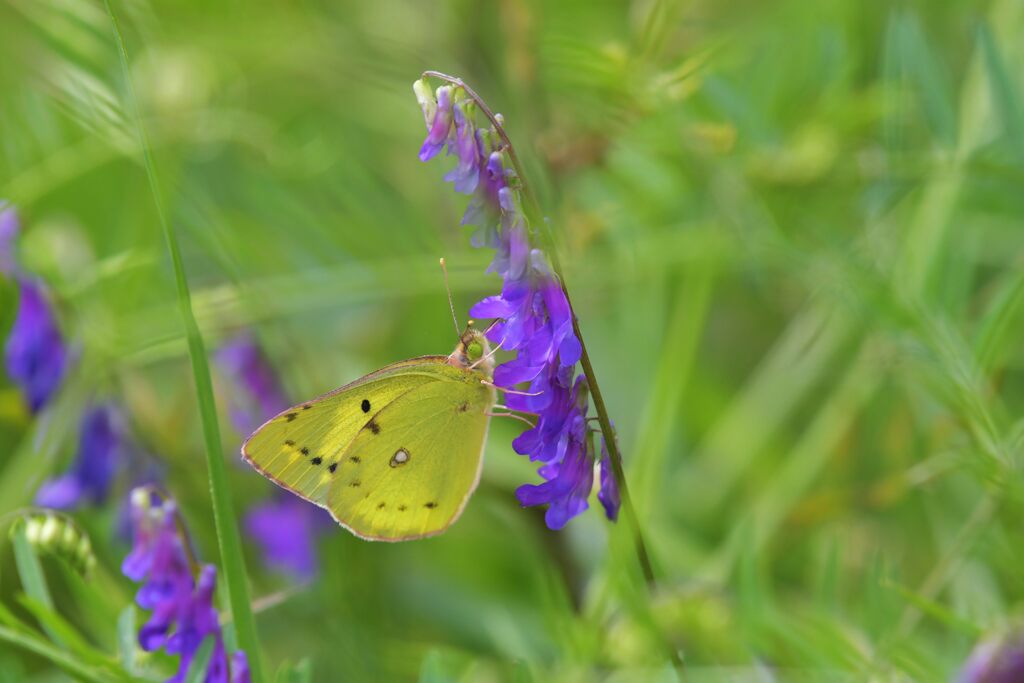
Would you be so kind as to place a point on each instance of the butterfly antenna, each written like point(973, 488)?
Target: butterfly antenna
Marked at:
point(451, 304)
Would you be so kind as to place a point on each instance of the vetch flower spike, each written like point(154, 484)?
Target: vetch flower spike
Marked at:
point(181, 608)
point(537, 320)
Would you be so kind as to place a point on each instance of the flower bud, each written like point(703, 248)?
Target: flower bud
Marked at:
point(425, 96)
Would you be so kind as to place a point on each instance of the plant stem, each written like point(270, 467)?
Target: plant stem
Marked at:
point(228, 539)
point(535, 216)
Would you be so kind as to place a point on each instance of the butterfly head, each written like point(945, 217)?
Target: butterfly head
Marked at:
point(473, 351)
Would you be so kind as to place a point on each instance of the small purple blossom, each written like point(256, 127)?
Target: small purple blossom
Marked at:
point(181, 608)
point(560, 441)
point(286, 528)
point(257, 394)
point(466, 175)
point(608, 494)
point(534, 318)
point(35, 355)
point(998, 659)
point(101, 443)
point(240, 668)
point(437, 130)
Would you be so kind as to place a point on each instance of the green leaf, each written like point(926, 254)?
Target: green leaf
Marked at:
point(63, 632)
point(432, 670)
point(521, 672)
point(30, 571)
point(933, 609)
point(1006, 100)
point(197, 669)
point(300, 672)
point(33, 643)
point(934, 90)
point(8, 304)
point(992, 337)
point(127, 639)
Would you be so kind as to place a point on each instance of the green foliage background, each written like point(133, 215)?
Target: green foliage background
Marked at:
point(793, 233)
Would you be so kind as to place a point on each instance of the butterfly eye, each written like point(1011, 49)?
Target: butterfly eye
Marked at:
point(474, 350)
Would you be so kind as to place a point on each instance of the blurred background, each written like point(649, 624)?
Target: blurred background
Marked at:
point(793, 235)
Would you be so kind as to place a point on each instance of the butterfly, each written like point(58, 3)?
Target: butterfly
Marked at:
point(394, 455)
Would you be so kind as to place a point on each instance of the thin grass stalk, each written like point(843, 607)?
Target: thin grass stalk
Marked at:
point(536, 217)
point(228, 538)
point(71, 665)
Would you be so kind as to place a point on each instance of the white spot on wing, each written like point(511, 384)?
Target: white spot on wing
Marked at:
point(400, 457)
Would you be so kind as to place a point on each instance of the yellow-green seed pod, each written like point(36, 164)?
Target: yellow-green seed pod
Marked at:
point(54, 533)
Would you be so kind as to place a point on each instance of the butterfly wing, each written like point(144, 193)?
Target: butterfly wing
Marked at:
point(299, 448)
point(409, 473)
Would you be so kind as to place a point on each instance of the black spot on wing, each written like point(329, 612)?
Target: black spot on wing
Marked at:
point(431, 505)
point(289, 443)
point(291, 416)
point(365, 405)
point(402, 508)
point(380, 506)
point(304, 450)
point(317, 460)
point(333, 466)
point(356, 459)
point(373, 426)
point(355, 483)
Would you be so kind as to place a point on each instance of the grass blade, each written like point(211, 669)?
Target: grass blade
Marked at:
point(228, 539)
point(1003, 93)
point(126, 638)
point(197, 669)
point(33, 581)
point(40, 647)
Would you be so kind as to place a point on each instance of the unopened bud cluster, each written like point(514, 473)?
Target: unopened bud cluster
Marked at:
point(58, 535)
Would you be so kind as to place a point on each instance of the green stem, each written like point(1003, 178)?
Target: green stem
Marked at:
point(40, 647)
point(228, 539)
point(536, 217)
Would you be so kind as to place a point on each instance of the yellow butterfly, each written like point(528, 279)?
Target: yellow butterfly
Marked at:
point(395, 455)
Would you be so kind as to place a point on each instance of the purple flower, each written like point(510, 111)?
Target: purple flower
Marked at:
point(609, 491)
point(35, 354)
point(997, 659)
point(100, 451)
point(534, 318)
point(240, 668)
point(560, 441)
point(466, 175)
point(438, 129)
point(181, 608)
point(258, 395)
point(196, 620)
point(286, 528)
